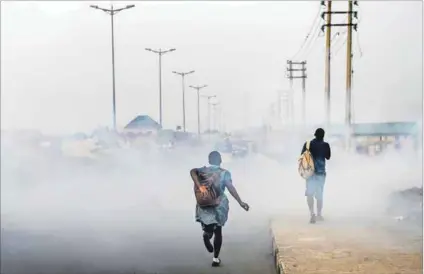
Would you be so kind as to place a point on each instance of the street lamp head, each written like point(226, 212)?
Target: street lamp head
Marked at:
point(190, 72)
point(129, 6)
point(172, 50)
point(94, 7)
point(148, 49)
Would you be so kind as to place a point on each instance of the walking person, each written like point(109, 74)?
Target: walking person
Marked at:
point(320, 151)
point(212, 205)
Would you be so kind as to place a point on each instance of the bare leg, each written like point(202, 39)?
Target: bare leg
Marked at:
point(320, 199)
point(310, 193)
point(319, 207)
point(310, 200)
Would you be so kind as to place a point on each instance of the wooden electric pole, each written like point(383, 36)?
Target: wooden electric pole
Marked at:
point(327, 66)
point(304, 93)
point(290, 102)
point(349, 75)
point(290, 70)
point(328, 26)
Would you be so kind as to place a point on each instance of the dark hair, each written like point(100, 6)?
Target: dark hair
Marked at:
point(319, 133)
point(215, 158)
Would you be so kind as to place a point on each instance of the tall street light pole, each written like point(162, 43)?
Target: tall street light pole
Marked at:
point(160, 52)
point(216, 116)
point(209, 97)
point(198, 88)
point(112, 12)
point(183, 74)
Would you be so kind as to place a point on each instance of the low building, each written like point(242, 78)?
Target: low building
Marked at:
point(142, 125)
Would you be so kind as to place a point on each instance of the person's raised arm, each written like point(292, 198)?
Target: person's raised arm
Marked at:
point(233, 191)
point(328, 152)
point(195, 177)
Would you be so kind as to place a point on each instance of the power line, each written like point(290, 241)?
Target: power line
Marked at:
point(334, 40)
point(311, 43)
point(342, 37)
point(309, 52)
point(334, 53)
point(337, 37)
point(311, 31)
point(315, 23)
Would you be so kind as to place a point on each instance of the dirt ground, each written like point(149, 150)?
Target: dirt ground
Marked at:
point(330, 247)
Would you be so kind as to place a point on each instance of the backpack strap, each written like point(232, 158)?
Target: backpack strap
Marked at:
point(308, 145)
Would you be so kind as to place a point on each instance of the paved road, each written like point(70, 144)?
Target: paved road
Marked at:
point(134, 228)
point(173, 250)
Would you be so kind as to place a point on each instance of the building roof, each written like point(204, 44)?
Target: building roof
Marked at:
point(143, 122)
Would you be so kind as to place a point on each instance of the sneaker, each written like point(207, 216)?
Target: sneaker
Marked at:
point(207, 242)
point(216, 262)
point(320, 218)
point(313, 219)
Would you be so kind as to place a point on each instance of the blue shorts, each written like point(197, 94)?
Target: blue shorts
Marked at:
point(315, 186)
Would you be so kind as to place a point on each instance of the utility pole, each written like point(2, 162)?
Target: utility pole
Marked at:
point(215, 115)
point(290, 70)
point(112, 12)
point(328, 26)
point(349, 74)
point(291, 103)
point(160, 52)
point(183, 74)
point(328, 67)
point(198, 88)
point(304, 93)
point(209, 97)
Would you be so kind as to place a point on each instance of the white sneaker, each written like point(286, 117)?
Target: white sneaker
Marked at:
point(216, 262)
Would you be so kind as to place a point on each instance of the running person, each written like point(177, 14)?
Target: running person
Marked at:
point(321, 152)
point(214, 218)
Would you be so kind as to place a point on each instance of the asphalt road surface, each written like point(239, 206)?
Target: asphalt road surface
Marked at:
point(106, 222)
point(178, 250)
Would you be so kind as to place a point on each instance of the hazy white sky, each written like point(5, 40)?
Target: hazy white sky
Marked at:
point(56, 61)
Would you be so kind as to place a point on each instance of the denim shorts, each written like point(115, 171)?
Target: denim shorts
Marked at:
point(315, 186)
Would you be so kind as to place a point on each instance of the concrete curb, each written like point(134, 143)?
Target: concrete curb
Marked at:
point(276, 252)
